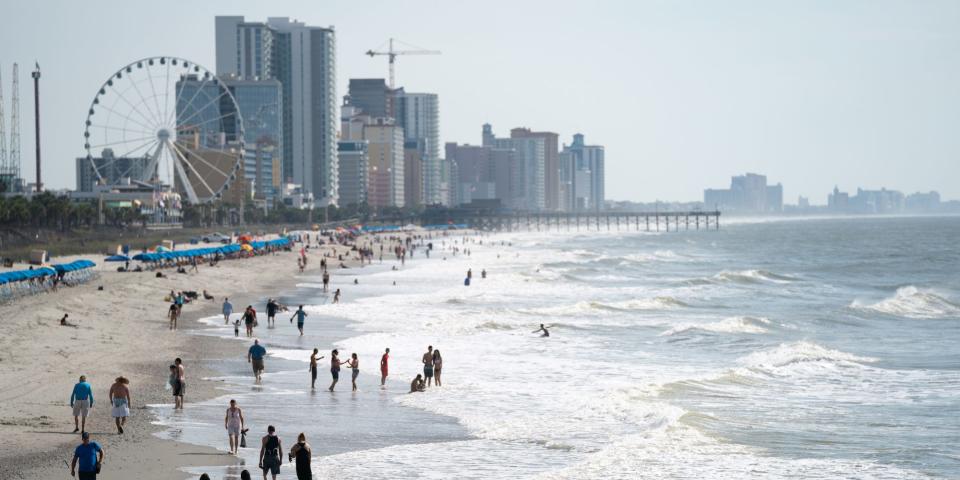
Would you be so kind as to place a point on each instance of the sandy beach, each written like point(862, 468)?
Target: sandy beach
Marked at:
point(121, 330)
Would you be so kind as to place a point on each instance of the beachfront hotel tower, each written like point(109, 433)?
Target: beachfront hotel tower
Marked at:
point(303, 59)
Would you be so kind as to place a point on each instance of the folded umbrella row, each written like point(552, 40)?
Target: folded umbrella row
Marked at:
point(21, 275)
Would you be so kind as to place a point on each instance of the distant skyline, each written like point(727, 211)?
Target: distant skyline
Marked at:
point(683, 95)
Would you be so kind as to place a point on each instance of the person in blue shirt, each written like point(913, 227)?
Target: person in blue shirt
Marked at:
point(300, 315)
point(255, 356)
point(227, 310)
point(89, 455)
point(81, 400)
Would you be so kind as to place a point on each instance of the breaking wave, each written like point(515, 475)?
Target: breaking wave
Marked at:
point(797, 353)
point(911, 302)
point(727, 325)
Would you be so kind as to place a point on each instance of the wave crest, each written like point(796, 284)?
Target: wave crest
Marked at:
point(727, 325)
point(790, 354)
point(911, 302)
point(752, 276)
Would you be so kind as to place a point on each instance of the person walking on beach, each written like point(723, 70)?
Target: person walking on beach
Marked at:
point(88, 456)
point(249, 319)
point(301, 316)
point(335, 368)
point(233, 422)
point(336, 296)
point(120, 399)
point(81, 400)
point(272, 307)
point(354, 364)
point(437, 366)
point(326, 280)
point(227, 310)
point(181, 384)
point(428, 365)
point(313, 367)
point(302, 453)
point(384, 361)
point(173, 314)
point(255, 357)
point(270, 457)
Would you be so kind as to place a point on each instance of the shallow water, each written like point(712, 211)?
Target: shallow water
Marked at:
point(811, 349)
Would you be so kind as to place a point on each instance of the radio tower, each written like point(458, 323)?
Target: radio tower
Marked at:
point(13, 161)
point(5, 182)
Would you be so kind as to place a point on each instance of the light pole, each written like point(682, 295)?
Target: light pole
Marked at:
point(36, 107)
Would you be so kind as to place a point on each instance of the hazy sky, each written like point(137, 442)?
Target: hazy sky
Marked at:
point(683, 94)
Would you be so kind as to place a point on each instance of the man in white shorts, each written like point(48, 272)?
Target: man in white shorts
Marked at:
point(82, 401)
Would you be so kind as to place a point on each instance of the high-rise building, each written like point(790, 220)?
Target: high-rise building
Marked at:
point(302, 58)
point(419, 115)
point(112, 169)
point(385, 184)
point(354, 166)
point(373, 97)
point(747, 193)
point(551, 165)
point(581, 176)
point(483, 172)
point(413, 174)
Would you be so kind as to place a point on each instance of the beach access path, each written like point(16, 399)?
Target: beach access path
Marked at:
point(121, 330)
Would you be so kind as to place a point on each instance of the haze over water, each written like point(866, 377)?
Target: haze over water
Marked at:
point(803, 349)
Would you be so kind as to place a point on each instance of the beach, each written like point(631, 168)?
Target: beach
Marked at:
point(122, 330)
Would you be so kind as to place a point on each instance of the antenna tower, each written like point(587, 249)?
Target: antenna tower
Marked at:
point(13, 161)
point(4, 183)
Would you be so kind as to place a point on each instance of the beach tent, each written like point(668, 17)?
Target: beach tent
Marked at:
point(73, 266)
point(21, 275)
point(117, 258)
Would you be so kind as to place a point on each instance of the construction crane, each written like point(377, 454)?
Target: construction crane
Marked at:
point(391, 55)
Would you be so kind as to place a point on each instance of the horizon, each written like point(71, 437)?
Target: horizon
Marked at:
point(857, 95)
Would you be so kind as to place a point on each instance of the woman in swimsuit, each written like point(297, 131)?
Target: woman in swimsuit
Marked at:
point(437, 366)
point(354, 364)
point(335, 368)
point(233, 422)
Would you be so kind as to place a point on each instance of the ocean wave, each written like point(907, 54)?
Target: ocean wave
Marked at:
point(727, 325)
point(797, 353)
point(752, 276)
point(656, 303)
point(911, 302)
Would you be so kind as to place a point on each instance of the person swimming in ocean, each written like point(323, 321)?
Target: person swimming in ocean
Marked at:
point(546, 333)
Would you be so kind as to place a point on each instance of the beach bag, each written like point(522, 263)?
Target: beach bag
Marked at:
point(243, 439)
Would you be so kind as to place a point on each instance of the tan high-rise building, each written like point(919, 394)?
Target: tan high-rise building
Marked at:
point(551, 164)
point(386, 169)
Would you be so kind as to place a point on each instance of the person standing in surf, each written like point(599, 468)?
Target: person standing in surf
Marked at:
point(335, 368)
point(354, 364)
point(227, 310)
point(437, 366)
point(313, 367)
point(428, 365)
point(384, 360)
point(300, 315)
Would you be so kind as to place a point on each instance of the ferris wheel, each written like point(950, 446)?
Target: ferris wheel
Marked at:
point(166, 121)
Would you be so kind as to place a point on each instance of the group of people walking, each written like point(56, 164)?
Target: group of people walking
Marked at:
point(81, 401)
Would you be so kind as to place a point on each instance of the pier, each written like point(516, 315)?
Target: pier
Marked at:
point(583, 221)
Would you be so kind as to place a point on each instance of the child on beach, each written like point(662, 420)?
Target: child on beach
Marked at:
point(236, 328)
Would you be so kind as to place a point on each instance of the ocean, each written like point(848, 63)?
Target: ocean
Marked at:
point(795, 348)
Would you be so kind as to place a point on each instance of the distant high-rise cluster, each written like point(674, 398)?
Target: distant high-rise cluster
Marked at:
point(747, 194)
point(527, 171)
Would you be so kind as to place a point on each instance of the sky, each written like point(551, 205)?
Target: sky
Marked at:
point(682, 94)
